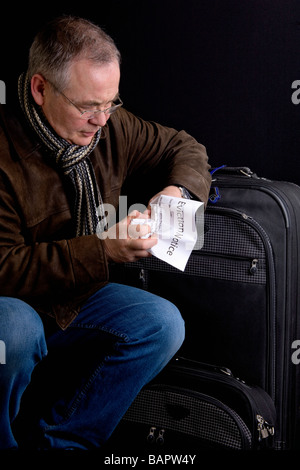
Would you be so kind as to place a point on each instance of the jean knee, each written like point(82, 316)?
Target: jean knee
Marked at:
point(21, 331)
point(171, 326)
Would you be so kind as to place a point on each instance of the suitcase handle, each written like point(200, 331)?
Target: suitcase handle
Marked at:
point(210, 367)
point(239, 171)
point(233, 170)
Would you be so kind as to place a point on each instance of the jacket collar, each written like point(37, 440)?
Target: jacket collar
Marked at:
point(19, 133)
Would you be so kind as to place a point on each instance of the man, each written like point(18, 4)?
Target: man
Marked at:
point(78, 348)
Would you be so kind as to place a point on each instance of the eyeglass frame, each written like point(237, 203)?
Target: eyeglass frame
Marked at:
point(109, 111)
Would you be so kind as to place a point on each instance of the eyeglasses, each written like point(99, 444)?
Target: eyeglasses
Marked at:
point(91, 113)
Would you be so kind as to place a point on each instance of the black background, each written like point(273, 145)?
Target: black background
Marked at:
point(220, 69)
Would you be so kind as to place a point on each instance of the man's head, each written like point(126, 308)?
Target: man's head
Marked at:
point(74, 67)
point(64, 40)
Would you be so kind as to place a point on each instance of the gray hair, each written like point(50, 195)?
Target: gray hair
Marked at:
point(64, 40)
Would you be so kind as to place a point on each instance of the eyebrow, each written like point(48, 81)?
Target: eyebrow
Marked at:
point(97, 103)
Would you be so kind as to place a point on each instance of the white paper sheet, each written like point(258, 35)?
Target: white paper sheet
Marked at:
point(178, 228)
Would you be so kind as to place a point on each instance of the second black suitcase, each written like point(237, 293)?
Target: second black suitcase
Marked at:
point(191, 407)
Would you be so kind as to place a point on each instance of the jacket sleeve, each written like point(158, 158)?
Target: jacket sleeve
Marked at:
point(44, 270)
point(175, 155)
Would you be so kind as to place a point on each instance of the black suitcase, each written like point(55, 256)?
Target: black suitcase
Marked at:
point(191, 407)
point(239, 294)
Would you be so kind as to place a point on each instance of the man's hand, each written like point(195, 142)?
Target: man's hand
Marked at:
point(168, 191)
point(123, 243)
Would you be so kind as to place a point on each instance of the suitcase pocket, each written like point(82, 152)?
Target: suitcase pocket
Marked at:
point(197, 406)
point(171, 416)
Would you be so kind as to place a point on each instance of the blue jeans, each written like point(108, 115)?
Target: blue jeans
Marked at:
point(77, 393)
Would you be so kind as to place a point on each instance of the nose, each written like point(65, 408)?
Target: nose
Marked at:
point(99, 119)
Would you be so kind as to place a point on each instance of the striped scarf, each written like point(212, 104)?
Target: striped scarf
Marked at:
point(73, 161)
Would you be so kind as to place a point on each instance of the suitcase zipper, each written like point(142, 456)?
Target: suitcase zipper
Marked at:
point(264, 428)
point(252, 262)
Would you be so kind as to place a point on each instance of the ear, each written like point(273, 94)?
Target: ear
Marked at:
point(37, 88)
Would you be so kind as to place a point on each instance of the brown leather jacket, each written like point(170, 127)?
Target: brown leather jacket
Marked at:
point(40, 260)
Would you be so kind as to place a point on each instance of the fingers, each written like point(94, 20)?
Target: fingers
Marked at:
point(142, 244)
point(138, 229)
point(125, 243)
point(128, 250)
point(138, 226)
point(139, 248)
point(139, 215)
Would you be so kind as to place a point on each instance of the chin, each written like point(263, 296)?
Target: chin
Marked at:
point(81, 140)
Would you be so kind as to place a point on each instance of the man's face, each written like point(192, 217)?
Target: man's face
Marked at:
point(91, 87)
